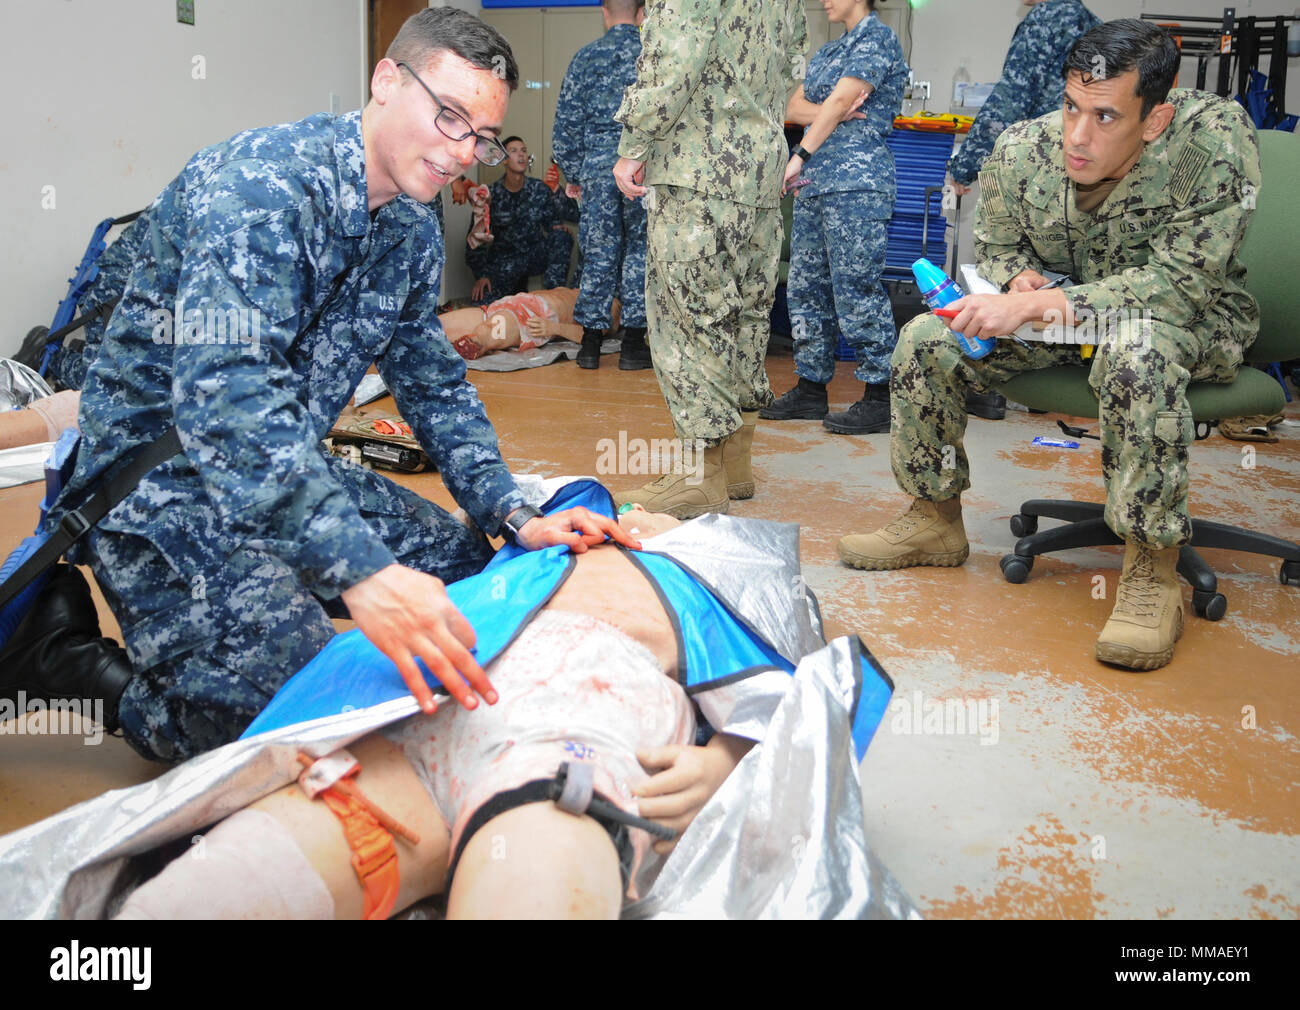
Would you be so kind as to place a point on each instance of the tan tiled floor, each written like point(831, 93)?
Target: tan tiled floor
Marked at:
point(1087, 791)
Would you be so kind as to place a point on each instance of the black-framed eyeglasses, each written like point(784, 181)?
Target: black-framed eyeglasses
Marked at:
point(454, 126)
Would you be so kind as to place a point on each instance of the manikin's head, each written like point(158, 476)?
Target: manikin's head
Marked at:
point(1117, 78)
point(622, 12)
point(642, 524)
point(469, 68)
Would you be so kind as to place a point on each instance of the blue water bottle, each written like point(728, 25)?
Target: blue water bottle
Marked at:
point(938, 290)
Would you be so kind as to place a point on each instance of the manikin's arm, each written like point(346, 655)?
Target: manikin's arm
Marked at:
point(540, 330)
point(688, 779)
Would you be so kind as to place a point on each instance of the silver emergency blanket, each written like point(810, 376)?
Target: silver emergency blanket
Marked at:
point(783, 837)
point(24, 464)
point(548, 353)
point(20, 385)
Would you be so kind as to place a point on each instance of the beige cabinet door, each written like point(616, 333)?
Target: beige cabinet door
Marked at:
point(523, 30)
point(565, 31)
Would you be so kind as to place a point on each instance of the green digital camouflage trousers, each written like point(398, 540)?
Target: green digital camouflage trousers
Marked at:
point(711, 272)
point(1139, 373)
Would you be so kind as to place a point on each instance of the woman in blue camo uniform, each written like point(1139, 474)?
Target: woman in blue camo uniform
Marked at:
point(844, 176)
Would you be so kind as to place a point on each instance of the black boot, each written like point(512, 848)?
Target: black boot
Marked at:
point(589, 355)
point(990, 405)
point(867, 416)
point(805, 402)
point(57, 652)
point(635, 354)
point(33, 349)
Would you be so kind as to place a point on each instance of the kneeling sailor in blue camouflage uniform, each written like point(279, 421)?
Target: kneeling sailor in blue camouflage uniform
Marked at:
point(1143, 197)
point(278, 266)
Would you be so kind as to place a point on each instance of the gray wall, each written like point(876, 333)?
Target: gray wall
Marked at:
point(103, 105)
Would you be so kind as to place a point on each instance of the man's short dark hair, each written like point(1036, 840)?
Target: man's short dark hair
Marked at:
point(511, 139)
point(623, 8)
point(1117, 47)
point(438, 29)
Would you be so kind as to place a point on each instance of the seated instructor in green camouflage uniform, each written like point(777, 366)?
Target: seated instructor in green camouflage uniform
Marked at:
point(1143, 197)
point(702, 125)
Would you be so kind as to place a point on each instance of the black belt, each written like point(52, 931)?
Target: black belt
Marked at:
point(77, 522)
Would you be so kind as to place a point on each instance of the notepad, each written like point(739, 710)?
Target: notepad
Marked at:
point(1042, 331)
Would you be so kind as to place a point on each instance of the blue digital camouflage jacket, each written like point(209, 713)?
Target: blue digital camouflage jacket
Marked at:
point(264, 289)
point(585, 137)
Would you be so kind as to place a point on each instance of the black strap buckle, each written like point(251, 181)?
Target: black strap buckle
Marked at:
point(74, 524)
point(573, 791)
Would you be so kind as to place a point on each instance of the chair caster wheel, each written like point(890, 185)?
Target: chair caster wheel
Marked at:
point(1023, 525)
point(1015, 568)
point(1211, 606)
point(1289, 573)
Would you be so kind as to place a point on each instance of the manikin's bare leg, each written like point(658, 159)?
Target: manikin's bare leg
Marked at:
point(537, 862)
point(386, 778)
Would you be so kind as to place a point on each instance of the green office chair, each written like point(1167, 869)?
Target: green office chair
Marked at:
point(1273, 275)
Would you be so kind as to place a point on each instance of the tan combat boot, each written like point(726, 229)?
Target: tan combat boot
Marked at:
point(701, 487)
point(1148, 615)
point(929, 533)
point(735, 457)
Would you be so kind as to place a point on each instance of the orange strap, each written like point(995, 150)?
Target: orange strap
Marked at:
point(374, 855)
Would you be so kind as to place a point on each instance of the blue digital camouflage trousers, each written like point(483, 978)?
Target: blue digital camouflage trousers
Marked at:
point(508, 272)
point(1139, 373)
point(214, 628)
point(837, 254)
point(612, 236)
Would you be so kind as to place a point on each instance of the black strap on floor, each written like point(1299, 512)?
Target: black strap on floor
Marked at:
point(78, 521)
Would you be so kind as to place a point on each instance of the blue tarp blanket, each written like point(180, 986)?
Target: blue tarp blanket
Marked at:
point(783, 837)
point(714, 644)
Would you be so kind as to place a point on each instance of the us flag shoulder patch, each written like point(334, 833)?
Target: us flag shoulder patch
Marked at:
point(1191, 163)
point(991, 194)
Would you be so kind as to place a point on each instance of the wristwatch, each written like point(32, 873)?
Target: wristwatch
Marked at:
point(514, 522)
point(799, 150)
